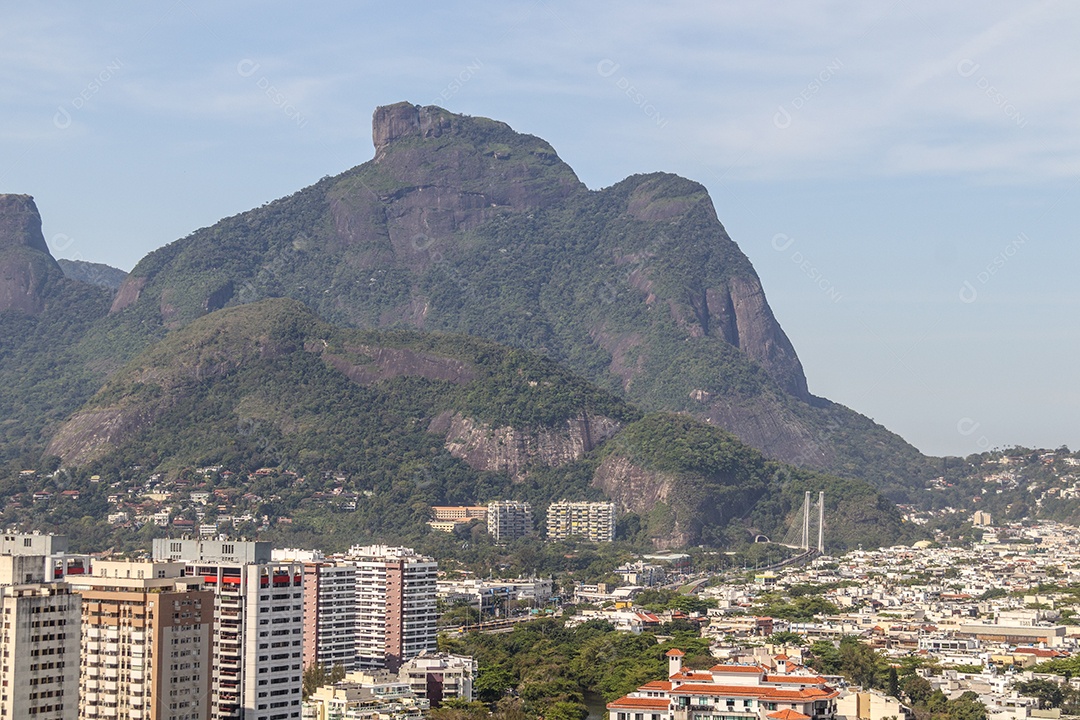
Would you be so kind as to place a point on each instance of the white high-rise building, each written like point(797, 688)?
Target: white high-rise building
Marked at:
point(34, 557)
point(509, 519)
point(395, 605)
point(39, 652)
point(258, 625)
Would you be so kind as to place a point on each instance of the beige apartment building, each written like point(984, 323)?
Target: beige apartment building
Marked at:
point(146, 643)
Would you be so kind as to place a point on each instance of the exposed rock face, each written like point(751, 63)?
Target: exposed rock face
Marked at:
point(453, 174)
point(746, 321)
point(20, 223)
point(770, 427)
point(25, 262)
point(513, 450)
point(393, 122)
point(128, 293)
point(92, 433)
point(634, 489)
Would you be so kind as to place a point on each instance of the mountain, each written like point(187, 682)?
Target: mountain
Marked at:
point(461, 224)
point(410, 419)
point(97, 274)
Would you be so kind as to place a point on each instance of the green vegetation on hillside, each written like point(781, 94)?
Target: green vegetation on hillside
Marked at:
point(267, 387)
point(42, 376)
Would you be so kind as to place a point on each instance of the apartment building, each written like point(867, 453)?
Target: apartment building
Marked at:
point(146, 643)
point(593, 521)
point(39, 652)
point(32, 544)
point(330, 614)
point(395, 605)
point(509, 520)
point(366, 694)
point(440, 676)
point(258, 625)
point(33, 557)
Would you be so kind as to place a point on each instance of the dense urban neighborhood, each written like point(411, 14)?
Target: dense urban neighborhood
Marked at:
point(199, 627)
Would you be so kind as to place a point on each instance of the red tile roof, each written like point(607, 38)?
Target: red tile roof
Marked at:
point(802, 694)
point(1041, 652)
point(796, 679)
point(787, 714)
point(693, 675)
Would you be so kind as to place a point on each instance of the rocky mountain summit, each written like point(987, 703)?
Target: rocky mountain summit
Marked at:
point(462, 224)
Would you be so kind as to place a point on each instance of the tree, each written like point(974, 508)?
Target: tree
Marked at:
point(492, 683)
point(788, 638)
point(917, 689)
point(565, 710)
point(860, 663)
point(966, 707)
point(315, 676)
point(458, 709)
point(1049, 694)
point(509, 708)
point(826, 657)
point(893, 684)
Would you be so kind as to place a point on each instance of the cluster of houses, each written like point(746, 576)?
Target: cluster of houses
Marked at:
point(981, 617)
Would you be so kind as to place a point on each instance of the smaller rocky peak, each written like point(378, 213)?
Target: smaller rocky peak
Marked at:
point(405, 120)
point(26, 265)
point(20, 224)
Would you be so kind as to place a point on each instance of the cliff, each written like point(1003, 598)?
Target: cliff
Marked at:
point(26, 265)
point(515, 451)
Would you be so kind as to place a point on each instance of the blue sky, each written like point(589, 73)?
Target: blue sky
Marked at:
point(904, 176)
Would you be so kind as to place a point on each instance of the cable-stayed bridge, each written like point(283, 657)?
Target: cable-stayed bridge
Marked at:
point(807, 531)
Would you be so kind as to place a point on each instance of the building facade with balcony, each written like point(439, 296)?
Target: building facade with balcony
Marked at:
point(440, 676)
point(593, 521)
point(258, 625)
point(395, 605)
point(508, 520)
point(330, 614)
point(145, 650)
point(39, 652)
